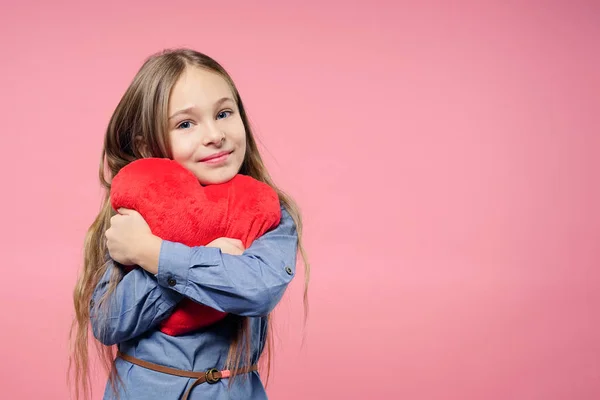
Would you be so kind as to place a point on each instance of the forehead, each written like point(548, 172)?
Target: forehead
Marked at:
point(198, 87)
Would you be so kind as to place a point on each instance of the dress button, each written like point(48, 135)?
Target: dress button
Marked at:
point(289, 270)
point(172, 282)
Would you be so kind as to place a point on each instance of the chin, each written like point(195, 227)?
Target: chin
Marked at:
point(215, 179)
point(206, 182)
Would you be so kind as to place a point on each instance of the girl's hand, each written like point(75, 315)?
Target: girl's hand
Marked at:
point(127, 237)
point(228, 245)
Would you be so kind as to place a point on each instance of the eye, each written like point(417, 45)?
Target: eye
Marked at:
point(223, 114)
point(185, 125)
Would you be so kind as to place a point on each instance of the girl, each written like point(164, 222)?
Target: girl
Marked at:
point(182, 105)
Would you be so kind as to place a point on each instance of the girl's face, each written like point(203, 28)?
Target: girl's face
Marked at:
point(206, 131)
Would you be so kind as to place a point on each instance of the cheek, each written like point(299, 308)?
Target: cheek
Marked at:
point(181, 148)
point(242, 141)
point(239, 134)
point(241, 145)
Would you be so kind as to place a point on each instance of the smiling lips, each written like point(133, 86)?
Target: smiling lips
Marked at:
point(216, 158)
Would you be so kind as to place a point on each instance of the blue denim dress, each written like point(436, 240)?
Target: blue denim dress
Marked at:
point(248, 285)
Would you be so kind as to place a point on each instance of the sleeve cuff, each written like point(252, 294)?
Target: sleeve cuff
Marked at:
point(171, 298)
point(175, 261)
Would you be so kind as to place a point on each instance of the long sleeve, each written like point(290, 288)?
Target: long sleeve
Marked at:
point(137, 305)
point(250, 284)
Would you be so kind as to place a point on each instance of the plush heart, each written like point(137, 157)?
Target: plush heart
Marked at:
point(179, 209)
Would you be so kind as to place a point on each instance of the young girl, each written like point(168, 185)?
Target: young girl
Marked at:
point(181, 105)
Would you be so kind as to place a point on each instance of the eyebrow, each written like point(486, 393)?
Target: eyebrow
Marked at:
point(188, 109)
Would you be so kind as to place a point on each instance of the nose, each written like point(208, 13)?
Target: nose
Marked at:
point(212, 134)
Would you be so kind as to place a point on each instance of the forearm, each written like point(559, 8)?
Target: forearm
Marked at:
point(136, 305)
point(250, 284)
point(247, 285)
point(149, 253)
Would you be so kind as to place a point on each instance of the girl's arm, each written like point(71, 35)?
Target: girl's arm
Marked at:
point(250, 284)
point(137, 305)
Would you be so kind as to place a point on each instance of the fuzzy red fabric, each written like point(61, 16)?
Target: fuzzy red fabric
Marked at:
point(178, 209)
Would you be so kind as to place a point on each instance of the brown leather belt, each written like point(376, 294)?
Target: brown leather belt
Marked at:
point(211, 376)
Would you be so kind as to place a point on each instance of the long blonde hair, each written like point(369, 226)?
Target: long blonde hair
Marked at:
point(142, 114)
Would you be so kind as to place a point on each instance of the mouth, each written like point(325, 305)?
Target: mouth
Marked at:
point(217, 157)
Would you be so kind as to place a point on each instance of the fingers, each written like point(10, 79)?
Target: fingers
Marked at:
point(234, 251)
point(122, 212)
point(236, 243)
point(228, 245)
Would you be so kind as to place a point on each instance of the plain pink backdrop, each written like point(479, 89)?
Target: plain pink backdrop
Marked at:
point(445, 156)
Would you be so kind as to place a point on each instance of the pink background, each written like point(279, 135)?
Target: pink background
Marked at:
point(445, 157)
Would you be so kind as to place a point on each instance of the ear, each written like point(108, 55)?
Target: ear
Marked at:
point(142, 146)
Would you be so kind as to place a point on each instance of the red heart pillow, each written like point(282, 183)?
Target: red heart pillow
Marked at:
point(178, 209)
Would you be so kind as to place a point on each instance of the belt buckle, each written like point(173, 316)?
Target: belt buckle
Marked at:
point(210, 376)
